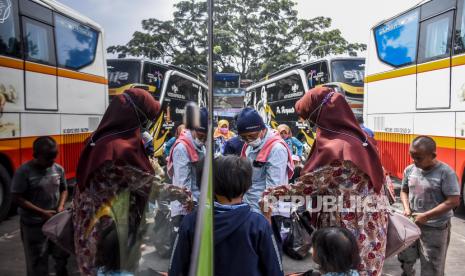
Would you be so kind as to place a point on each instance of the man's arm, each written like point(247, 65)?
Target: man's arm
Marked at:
point(404, 194)
point(450, 203)
point(450, 188)
point(181, 166)
point(19, 186)
point(276, 167)
point(26, 204)
point(63, 192)
point(405, 202)
point(62, 201)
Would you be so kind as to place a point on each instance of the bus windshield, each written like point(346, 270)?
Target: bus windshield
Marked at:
point(123, 72)
point(348, 71)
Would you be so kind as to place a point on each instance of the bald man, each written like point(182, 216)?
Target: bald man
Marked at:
point(430, 192)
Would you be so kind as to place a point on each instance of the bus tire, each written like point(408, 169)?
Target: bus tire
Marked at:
point(5, 193)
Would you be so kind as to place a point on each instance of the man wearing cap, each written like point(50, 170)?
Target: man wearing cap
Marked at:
point(188, 149)
point(270, 156)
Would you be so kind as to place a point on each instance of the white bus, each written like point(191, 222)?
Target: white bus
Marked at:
point(415, 83)
point(52, 82)
point(275, 97)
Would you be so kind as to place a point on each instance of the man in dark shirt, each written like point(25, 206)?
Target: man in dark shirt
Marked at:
point(39, 188)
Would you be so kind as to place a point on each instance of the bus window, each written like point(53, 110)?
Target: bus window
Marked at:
point(9, 30)
point(396, 40)
point(317, 74)
point(153, 75)
point(435, 37)
point(184, 89)
point(123, 72)
point(39, 42)
point(76, 43)
point(460, 29)
point(349, 72)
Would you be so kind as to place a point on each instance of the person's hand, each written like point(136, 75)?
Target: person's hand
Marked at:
point(60, 209)
point(420, 218)
point(47, 214)
point(407, 212)
point(267, 212)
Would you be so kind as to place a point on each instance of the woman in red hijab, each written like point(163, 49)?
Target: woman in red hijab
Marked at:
point(114, 181)
point(344, 162)
point(343, 167)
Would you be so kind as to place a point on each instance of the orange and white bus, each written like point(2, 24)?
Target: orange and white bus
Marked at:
point(415, 83)
point(52, 82)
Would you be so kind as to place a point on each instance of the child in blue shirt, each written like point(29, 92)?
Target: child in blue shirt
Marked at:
point(244, 241)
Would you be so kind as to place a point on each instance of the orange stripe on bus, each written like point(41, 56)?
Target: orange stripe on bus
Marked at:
point(457, 61)
point(9, 144)
point(50, 70)
point(421, 68)
point(26, 142)
point(42, 69)
point(11, 63)
point(81, 76)
point(432, 66)
point(411, 70)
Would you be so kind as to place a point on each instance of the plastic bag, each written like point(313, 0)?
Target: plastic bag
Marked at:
point(165, 230)
point(298, 242)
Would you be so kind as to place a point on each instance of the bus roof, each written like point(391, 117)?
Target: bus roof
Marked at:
point(166, 66)
point(420, 3)
point(301, 65)
point(59, 7)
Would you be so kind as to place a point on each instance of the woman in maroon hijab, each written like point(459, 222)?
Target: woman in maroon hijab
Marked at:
point(114, 180)
point(343, 171)
point(344, 162)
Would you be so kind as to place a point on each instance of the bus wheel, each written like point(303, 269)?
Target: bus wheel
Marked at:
point(5, 194)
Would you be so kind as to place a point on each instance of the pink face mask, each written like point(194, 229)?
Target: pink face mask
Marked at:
point(224, 130)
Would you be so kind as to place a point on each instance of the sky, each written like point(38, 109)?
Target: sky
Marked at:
point(120, 18)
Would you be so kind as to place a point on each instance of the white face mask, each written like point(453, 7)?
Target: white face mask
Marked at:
point(198, 142)
point(255, 143)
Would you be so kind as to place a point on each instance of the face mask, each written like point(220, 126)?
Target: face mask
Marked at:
point(146, 138)
point(224, 130)
point(198, 142)
point(255, 143)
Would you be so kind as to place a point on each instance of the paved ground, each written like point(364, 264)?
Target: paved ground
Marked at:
point(12, 256)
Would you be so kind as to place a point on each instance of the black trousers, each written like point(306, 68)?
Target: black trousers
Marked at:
point(37, 249)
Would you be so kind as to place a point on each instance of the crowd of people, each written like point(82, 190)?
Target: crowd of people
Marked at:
point(116, 180)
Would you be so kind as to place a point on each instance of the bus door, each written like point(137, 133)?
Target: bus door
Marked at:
point(434, 56)
point(41, 91)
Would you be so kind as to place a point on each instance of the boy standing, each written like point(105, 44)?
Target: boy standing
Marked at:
point(430, 192)
point(244, 241)
point(39, 188)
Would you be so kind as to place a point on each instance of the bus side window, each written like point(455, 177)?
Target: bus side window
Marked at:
point(396, 40)
point(76, 43)
point(9, 30)
point(38, 41)
point(460, 29)
point(435, 37)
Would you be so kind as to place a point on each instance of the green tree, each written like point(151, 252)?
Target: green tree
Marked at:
point(183, 40)
point(253, 38)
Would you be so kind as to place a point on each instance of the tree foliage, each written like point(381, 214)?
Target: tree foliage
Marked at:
point(253, 38)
